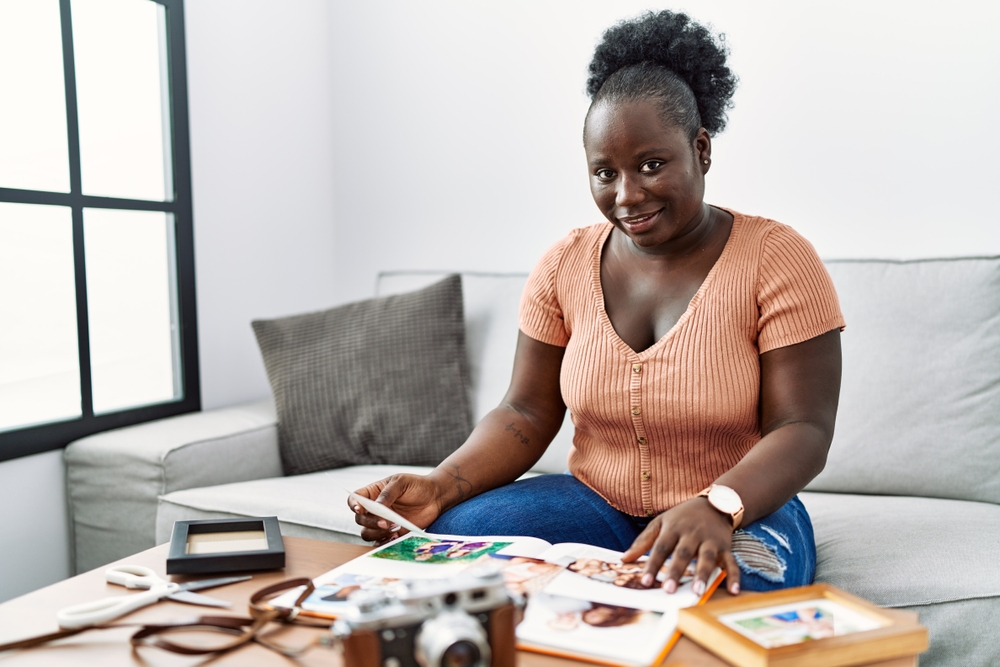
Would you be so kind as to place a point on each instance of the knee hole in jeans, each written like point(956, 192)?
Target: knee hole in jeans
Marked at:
point(754, 556)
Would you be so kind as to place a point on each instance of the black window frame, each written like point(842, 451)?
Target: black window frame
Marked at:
point(35, 439)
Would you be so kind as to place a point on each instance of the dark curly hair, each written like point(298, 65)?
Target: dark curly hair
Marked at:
point(667, 57)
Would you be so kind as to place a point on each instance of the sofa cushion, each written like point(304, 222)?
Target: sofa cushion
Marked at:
point(379, 381)
point(904, 551)
point(114, 478)
point(311, 505)
point(962, 633)
point(491, 306)
point(920, 398)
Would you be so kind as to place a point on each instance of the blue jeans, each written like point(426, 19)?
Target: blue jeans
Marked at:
point(778, 551)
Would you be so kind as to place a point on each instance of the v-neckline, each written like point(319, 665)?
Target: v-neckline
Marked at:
point(602, 313)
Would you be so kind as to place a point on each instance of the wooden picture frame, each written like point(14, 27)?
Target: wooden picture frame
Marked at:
point(225, 545)
point(892, 634)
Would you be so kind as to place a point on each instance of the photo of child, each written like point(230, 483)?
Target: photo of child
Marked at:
point(423, 550)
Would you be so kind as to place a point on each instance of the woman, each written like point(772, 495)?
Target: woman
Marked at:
point(698, 350)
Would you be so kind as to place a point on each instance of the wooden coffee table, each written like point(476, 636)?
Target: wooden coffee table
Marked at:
point(35, 614)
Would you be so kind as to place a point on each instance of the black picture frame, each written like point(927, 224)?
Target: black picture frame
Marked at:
point(181, 562)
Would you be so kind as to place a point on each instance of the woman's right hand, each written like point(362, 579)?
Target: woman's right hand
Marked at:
point(416, 497)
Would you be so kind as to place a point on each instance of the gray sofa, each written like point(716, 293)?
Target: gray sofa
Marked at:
point(906, 513)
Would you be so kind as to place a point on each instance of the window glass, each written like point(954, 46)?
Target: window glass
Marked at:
point(121, 87)
point(33, 152)
point(39, 357)
point(90, 288)
point(131, 300)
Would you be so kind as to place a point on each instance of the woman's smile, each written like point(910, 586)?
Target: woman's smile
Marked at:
point(637, 224)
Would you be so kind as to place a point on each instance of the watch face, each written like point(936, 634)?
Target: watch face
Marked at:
point(725, 499)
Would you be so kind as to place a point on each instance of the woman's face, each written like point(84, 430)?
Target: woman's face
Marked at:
point(646, 175)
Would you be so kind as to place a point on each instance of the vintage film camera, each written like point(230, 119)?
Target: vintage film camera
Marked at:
point(465, 621)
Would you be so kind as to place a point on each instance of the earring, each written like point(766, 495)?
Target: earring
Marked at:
point(705, 161)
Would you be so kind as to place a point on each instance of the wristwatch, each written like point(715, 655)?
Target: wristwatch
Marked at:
point(726, 501)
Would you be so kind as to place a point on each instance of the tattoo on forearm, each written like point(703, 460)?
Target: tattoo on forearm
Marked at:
point(517, 433)
point(462, 485)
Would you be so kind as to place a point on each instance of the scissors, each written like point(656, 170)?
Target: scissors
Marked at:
point(137, 576)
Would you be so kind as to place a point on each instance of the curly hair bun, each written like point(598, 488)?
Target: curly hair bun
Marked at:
point(651, 55)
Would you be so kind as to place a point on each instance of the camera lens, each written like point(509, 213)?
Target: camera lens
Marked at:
point(452, 639)
point(461, 654)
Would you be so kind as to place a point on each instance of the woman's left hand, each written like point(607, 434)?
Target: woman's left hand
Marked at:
point(692, 530)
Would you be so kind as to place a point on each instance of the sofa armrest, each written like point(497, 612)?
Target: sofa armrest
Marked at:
point(113, 479)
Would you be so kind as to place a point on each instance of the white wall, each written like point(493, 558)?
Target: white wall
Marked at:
point(868, 126)
point(261, 103)
point(34, 547)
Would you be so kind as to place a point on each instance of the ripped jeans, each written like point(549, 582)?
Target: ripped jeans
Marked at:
point(777, 551)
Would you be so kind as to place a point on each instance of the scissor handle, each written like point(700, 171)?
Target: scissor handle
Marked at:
point(102, 611)
point(132, 576)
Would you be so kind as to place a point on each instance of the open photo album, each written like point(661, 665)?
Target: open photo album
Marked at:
point(582, 602)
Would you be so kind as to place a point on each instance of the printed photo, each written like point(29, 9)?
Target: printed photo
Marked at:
point(423, 550)
point(524, 576)
point(798, 622)
point(583, 627)
point(623, 575)
point(563, 614)
point(332, 596)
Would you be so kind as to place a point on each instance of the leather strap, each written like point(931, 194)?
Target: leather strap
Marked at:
point(42, 639)
point(153, 635)
point(243, 629)
point(258, 601)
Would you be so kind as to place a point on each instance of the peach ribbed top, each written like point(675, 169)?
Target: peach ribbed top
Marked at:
point(653, 428)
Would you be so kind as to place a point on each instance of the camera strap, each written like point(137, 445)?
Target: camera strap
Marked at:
point(242, 628)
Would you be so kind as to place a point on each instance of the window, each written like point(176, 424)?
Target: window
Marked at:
point(97, 313)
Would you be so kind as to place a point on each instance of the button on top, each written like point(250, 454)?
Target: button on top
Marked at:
point(636, 368)
point(636, 410)
point(642, 441)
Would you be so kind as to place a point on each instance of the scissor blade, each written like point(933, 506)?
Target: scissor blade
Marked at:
point(199, 599)
point(212, 583)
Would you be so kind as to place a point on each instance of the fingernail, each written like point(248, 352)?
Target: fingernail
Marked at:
point(357, 508)
point(698, 587)
point(393, 527)
point(647, 580)
point(670, 586)
point(735, 589)
point(384, 525)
